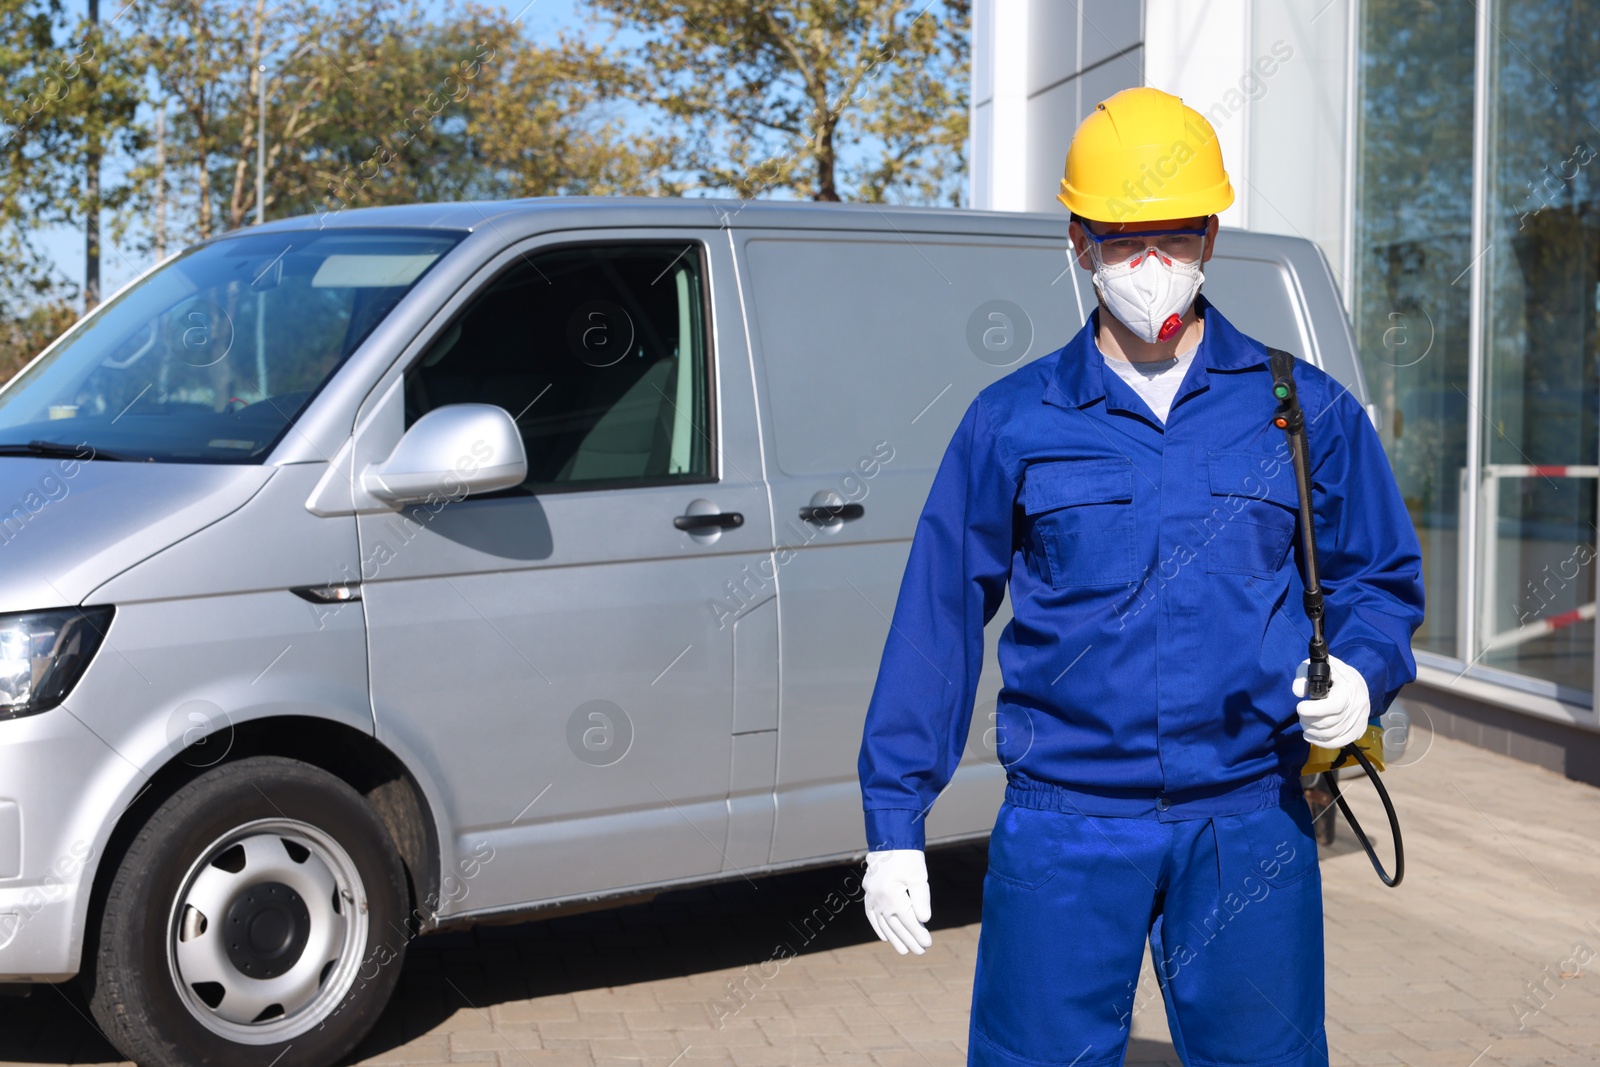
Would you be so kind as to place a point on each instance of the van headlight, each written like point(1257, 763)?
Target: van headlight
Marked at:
point(42, 655)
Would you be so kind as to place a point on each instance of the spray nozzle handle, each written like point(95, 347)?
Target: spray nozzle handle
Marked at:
point(1319, 679)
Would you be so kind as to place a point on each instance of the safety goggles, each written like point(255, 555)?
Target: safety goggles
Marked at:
point(1184, 246)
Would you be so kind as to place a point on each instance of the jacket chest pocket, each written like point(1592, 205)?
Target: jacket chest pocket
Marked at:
point(1254, 514)
point(1080, 518)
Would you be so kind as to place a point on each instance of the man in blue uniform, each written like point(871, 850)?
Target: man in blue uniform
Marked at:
point(1133, 491)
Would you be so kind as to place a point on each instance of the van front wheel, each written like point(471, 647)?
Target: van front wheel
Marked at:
point(257, 919)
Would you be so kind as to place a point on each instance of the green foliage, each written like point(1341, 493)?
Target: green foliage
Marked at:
point(822, 99)
point(540, 127)
point(371, 103)
point(27, 334)
point(67, 93)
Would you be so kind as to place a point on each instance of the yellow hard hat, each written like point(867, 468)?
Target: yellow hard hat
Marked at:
point(1143, 155)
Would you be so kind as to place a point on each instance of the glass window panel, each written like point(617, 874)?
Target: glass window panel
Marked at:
point(599, 354)
point(1413, 236)
point(1542, 267)
point(210, 358)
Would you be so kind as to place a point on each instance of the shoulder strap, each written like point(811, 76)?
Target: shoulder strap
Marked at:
point(1282, 362)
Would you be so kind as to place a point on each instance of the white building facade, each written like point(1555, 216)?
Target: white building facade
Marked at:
point(1441, 155)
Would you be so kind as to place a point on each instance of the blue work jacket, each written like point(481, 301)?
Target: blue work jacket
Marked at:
point(1156, 589)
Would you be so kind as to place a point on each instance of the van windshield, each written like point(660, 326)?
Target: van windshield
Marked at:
point(210, 358)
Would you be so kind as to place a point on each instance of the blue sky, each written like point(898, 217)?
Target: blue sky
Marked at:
point(544, 19)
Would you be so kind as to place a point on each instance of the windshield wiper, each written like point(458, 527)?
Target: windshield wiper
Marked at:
point(57, 450)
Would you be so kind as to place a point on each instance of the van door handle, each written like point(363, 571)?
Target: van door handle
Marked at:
point(725, 520)
point(826, 513)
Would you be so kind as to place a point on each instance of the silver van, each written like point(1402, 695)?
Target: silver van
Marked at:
point(407, 568)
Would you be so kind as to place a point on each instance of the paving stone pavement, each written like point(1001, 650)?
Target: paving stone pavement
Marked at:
point(1502, 883)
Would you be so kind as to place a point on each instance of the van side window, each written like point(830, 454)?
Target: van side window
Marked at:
point(598, 352)
point(948, 316)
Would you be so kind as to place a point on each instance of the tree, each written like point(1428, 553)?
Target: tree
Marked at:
point(26, 33)
point(539, 128)
point(372, 103)
point(205, 57)
point(468, 109)
point(819, 98)
point(65, 105)
point(389, 126)
point(25, 334)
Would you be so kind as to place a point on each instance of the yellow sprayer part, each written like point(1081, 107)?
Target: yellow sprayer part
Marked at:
point(1322, 759)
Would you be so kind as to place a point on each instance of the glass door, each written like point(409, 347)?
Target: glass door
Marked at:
point(1413, 250)
point(1541, 349)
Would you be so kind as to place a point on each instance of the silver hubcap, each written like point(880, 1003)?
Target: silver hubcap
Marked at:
point(266, 932)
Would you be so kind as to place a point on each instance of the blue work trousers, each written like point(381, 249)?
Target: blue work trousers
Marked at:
point(1232, 906)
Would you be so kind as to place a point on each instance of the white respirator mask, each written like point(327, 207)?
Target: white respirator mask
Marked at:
point(1149, 293)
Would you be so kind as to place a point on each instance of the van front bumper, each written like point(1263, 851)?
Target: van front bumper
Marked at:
point(61, 789)
point(38, 942)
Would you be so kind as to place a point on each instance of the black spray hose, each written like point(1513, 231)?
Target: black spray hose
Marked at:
point(1319, 675)
point(1388, 806)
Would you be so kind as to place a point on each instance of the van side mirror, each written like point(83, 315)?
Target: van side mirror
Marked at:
point(450, 452)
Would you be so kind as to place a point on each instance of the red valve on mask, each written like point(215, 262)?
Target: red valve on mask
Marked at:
point(1170, 328)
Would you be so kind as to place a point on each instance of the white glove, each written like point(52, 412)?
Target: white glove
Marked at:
point(1340, 717)
point(897, 898)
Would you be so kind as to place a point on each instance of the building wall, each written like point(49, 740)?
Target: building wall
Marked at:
point(1038, 67)
point(1438, 710)
point(1256, 69)
point(1298, 163)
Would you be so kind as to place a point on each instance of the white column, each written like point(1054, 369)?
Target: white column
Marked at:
point(1199, 50)
point(980, 158)
point(1008, 132)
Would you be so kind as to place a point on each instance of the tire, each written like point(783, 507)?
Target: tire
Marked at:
point(293, 866)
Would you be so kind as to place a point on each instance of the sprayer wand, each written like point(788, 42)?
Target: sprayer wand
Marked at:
point(1319, 674)
point(1292, 421)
